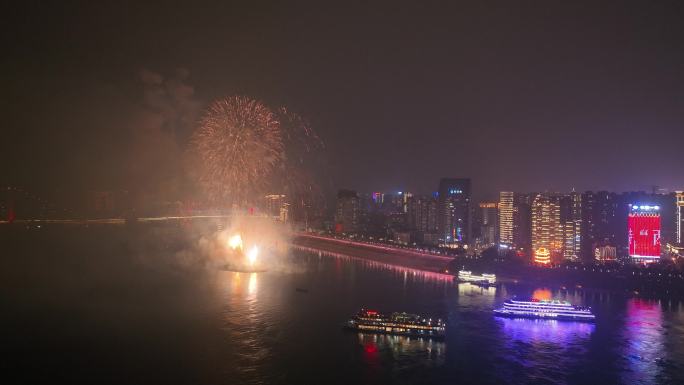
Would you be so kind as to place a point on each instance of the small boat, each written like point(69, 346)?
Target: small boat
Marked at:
point(468, 276)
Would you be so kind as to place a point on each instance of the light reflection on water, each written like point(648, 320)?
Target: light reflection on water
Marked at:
point(532, 331)
point(244, 322)
point(544, 350)
point(252, 284)
point(133, 316)
point(643, 341)
point(427, 275)
point(401, 348)
point(542, 294)
point(262, 311)
point(469, 289)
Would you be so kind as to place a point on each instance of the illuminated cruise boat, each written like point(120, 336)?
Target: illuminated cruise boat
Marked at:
point(545, 309)
point(468, 276)
point(371, 321)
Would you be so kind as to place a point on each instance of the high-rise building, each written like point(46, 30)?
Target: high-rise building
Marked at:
point(571, 220)
point(668, 213)
point(378, 198)
point(393, 203)
point(488, 220)
point(347, 213)
point(422, 214)
point(522, 222)
point(602, 221)
point(644, 233)
point(680, 216)
point(515, 220)
point(547, 232)
point(433, 217)
point(506, 199)
point(366, 202)
point(454, 210)
point(367, 208)
point(406, 196)
point(415, 215)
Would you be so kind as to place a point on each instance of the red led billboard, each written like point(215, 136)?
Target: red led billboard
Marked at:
point(644, 235)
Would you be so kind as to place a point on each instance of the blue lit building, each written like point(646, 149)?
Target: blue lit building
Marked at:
point(454, 210)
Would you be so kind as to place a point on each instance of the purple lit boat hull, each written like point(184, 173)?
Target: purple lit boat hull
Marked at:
point(546, 310)
point(500, 313)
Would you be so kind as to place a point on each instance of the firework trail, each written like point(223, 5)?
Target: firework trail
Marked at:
point(238, 143)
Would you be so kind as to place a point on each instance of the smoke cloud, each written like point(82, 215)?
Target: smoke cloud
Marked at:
point(202, 246)
point(160, 128)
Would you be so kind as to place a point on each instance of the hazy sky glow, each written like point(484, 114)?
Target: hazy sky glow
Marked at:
point(523, 97)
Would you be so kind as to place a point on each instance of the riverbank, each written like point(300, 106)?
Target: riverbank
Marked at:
point(633, 282)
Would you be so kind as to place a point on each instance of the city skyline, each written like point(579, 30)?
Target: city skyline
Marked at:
point(543, 228)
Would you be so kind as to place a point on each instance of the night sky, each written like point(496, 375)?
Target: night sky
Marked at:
point(518, 96)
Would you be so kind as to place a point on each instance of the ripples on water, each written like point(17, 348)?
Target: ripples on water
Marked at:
point(98, 314)
point(627, 345)
point(246, 323)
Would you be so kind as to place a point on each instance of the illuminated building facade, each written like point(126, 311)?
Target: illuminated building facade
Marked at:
point(680, 207)
point(454, 210)
point(406, 197)
point(571, 220)
point(515, 220)
point(422, 214)
point(644, 233)
point(542, 256)
point(605, 253)
point(505, 208)
point(547, 232)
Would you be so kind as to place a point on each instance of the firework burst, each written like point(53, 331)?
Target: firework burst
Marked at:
point(238, 145)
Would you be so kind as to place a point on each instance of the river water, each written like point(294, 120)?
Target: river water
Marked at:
point(88, 306)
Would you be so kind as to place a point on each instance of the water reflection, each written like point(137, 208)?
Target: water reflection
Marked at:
point(401, 349)
point(542, 294)
point(470, 289)
point(545, 331)
point(264, 318)
point(371, 264)
point(541, 349)
point(235, 282)
point(238, 284)
point(244, 323)
point(252, 288)
point(643, 337)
